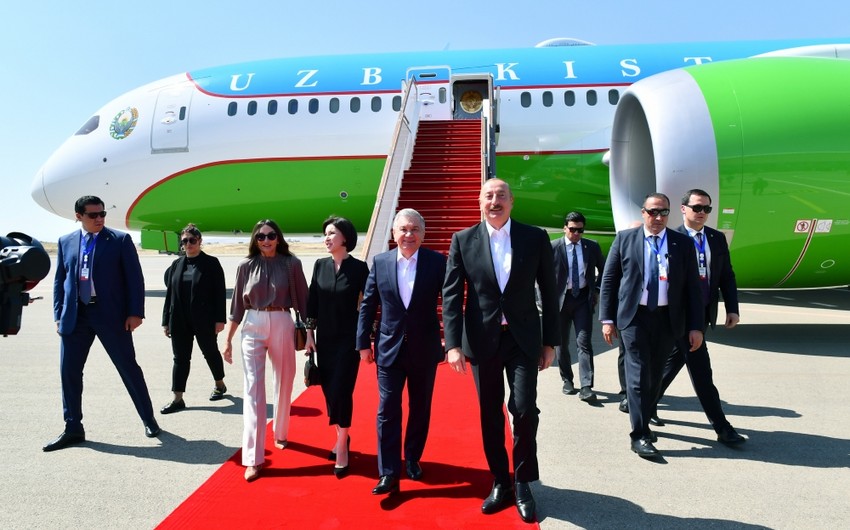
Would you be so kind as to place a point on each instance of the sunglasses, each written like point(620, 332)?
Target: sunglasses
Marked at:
point(654, 212)
point(189, 240)
point(573, 229)
point(271, 236)
point(95, 215)
point(699, 208)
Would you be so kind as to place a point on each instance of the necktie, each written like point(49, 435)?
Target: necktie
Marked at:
point(574, 273)
point(652, 285)
point(85, 279)
point(703, 263)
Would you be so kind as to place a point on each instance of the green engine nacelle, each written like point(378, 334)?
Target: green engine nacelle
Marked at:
point(769, 139)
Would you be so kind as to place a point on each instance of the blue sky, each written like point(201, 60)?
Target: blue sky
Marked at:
point(58, 65)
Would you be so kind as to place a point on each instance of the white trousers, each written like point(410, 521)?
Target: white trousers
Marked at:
point(266, 332)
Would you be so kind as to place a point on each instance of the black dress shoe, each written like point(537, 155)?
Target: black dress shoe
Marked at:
point(730, 436)
point(499, 498)
point(525, 502)
point(586, 394)
point(652, 436)
point(569, 388)
point(655, 420)
point(173, 406)
point(644, 448)
point(217, 394)
point(64, 440)
point(152, 429)
point(413, 469)
point(340, 472)
point(387, 485)
point(624, 405)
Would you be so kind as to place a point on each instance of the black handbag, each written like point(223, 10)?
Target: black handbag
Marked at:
point(311, 371)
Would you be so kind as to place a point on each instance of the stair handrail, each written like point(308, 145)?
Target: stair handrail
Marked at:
point(398, 160)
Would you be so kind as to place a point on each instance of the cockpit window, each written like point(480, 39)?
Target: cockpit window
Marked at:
point(89, 126)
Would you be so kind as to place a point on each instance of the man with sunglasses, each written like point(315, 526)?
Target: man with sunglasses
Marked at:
point(98, 291)
point(650, 292)
point(716, 277)
point(577, 262)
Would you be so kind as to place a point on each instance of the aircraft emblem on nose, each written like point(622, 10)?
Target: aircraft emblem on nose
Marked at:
point(123, 123)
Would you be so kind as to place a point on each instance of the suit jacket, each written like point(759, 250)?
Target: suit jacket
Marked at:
point(477, 329)
point(207, 298)
point(721, 277)
point(116, 273)
point(418, 322)
point(623, 281)
point(593, 263)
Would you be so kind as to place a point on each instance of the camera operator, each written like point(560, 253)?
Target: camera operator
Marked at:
point(23, 263)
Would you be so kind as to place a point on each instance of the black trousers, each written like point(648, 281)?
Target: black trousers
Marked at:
point(338, 368)
point(648, 340)
point(181, 347)
point(699, 368)
point(489, 374)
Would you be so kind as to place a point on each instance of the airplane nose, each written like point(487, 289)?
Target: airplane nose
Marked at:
point(37, 192)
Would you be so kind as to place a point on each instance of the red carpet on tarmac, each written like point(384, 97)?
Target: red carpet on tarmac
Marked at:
point(297, 488)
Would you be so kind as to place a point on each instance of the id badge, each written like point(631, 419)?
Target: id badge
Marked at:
point(662, 272)
point(84, 272)
point(702, 272)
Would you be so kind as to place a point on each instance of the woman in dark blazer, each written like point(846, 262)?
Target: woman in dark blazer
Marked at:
point(332, 310)
point(195, 300)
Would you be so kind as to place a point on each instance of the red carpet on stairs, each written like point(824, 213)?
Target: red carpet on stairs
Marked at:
point(297, 488)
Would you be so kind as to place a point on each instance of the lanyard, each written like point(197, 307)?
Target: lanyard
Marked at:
point(88, 249)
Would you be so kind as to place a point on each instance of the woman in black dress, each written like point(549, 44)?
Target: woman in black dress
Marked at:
point(332, 306)
point(195, 301)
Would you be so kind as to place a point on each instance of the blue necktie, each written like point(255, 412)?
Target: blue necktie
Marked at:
point(652, 285)
point(85, 283)
point(574, 273)
point(703, 283)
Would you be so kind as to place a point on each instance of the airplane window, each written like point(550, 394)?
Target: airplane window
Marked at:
point(355, 105)
point(293, 106)
point(252, 108)
point(313, 106)
point(333, 105)
point(396, 103)
point(525, 99)
point(376, 104)
point(569, 98)
point(231, 109)
point(613, 97)
point(273, 107)
point(182, 113)
point(89, 126)
point(547, 99)
point(591, 97)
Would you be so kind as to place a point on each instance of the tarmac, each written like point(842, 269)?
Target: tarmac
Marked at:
point(783, 375)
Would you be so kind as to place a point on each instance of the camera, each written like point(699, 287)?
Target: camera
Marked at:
point(23, 263)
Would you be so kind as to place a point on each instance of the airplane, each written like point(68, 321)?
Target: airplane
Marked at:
point(763, 126)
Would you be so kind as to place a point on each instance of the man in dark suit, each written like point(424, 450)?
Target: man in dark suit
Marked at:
point(650, 292)
point(496, 263)
point(577, 261)
point(405, 283)
point(716, 277)
point(98, 292)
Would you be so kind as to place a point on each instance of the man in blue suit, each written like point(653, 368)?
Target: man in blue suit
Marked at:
point(98, 292)
point(650, 293)
point(406, 283)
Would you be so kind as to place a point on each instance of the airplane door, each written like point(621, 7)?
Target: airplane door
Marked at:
point(434, 86)
point(170, 128)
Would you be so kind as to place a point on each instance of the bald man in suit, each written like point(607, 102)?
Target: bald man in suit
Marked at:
point(650, 292)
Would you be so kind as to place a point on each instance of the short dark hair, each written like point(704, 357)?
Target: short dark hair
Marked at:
point(656, 195)
point(575, 217)
point(85, 200)
point(282, 245)
point(686, 198)
point(345, 227)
